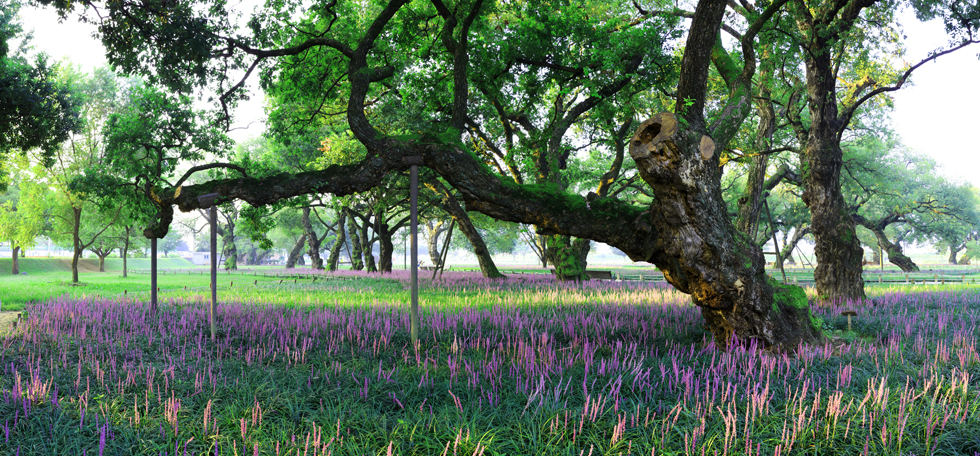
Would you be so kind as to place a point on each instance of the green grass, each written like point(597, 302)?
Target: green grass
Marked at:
point(571, 369)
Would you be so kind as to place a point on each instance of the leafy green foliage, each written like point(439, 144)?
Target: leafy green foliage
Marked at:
point(36, 109)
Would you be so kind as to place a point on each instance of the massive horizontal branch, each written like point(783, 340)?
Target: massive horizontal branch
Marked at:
point(608, 220)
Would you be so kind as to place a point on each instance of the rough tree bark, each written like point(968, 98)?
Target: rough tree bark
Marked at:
point(356, 261)
point(15, 266)
point(367, 246)
point(838, 274)
point(894, 250)
point(339, 243)
point(750, 204)
point(312, 240)
point(699, 250)
point(434, 229)
point(296, 252)
point(451, 205)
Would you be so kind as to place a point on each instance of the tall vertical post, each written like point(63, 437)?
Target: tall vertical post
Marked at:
point(881, 257)
point(214, 268)
point(153, 274)
point(414, 195)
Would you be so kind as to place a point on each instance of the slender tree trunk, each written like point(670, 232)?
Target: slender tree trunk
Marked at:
point(102, 261)
point(367, 247)
point(750, 204)
point(312, 240)
point(786, 254)
point(542, 243)
point(124, 252)
point(355, 252)
point(895, 254)
point(435, 229)
point(455, 210)
point(76, 242)
point(698, 247)
point(338, 244)
point(296, 252)
point(875, 254)
point(15, 267)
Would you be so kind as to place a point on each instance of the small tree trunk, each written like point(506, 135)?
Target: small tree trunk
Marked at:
point(355, 251)
point(568, 256)
point(102, 261)
point(750, 204)
point(76, 243)
point(895, 254)
point(123, 252)
point(338, 244)
point(312, 240)
point(387, 249)
point(435, 229)
point(230, 250)
point(296, 252)
point(452, 206)
point(368, 249)
point(15, 267)
point(786, 254)
point(953, 250)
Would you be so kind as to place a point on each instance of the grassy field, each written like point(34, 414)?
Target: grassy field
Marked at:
point(522, 366)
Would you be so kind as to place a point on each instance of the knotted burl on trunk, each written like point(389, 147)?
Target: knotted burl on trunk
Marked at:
point(698, 248)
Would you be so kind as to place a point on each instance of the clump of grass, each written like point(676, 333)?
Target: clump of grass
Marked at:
point(521, 366)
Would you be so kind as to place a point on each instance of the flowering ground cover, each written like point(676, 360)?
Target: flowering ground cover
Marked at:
point(522, 366)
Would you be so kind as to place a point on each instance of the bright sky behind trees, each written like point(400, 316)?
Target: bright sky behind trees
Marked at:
point(936, 116)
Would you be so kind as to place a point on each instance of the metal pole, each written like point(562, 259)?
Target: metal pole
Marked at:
point(214, 268)
point(414, 163)
point(415, 254)
point(153, 274)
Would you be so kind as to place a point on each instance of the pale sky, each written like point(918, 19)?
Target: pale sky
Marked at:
point(936, 116)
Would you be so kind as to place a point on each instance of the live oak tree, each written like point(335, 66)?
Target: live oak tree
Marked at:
point(685, 231)
point(887, 186)
point(371, 50)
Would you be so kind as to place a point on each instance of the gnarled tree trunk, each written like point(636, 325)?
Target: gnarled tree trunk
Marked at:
point(569, 256)
point(699, 250)
point(895, 254)
point(840, 258)
point(367, 248)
